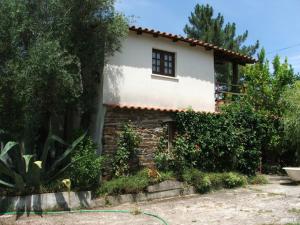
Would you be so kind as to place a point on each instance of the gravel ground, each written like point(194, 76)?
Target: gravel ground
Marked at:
point(271, 204)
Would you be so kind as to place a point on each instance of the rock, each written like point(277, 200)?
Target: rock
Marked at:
point(165, 185)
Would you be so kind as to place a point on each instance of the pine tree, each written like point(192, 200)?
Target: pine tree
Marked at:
point(204, 26)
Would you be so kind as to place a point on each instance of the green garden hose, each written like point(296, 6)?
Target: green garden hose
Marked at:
point(87, 211)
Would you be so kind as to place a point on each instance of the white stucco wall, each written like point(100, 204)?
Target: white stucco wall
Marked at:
point(128, 78)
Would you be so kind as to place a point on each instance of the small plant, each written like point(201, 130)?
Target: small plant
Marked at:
point(181, 156)
point(27, 172)
point(131, 184)
point(197, 179)
point(128, 143)
point(154, 174)
point(125, 184)
point(85, 173)
point(232, 180)
point(205, 182)
point(258, 179)
point(217, 180)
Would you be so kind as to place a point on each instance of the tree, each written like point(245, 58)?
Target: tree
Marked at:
point(203, 26)
point(265, 89)
point(292, 118)
point(52, 55)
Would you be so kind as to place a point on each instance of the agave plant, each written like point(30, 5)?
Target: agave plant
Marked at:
point(28, 171)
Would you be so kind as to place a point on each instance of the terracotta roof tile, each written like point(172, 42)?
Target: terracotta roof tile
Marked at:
point(222, 52)
point(148, 108)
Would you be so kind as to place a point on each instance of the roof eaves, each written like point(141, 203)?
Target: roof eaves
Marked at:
point(241, 57)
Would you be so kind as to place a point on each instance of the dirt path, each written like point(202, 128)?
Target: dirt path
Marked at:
point(272, 204)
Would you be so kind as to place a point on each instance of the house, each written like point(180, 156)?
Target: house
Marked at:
point(155, 75)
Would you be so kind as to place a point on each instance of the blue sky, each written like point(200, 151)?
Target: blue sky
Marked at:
point(275, 23)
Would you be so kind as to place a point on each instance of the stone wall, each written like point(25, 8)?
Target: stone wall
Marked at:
point(46, 201)
point(148, 124)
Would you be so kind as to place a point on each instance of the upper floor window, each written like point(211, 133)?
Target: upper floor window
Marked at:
point(163, 63)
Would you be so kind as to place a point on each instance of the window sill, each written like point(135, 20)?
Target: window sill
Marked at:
point(162, 77)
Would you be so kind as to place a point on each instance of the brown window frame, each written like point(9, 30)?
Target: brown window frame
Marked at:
point(162, 63)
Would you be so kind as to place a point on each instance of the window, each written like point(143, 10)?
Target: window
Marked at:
point(163, 63)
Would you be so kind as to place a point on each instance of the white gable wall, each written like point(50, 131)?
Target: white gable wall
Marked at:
point(128, 78)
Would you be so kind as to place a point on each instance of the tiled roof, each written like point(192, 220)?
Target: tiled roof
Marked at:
point(219, 52)
point(148, 108)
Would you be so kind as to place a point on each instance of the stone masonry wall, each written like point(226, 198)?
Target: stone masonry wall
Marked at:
point(148, 124)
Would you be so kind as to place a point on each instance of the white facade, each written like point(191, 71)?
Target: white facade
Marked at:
point(128, 78)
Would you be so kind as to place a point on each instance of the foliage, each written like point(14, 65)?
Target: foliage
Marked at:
point(218, 142)
point(180, 156)
point(21, 171)
point(131, 184)
point(258, 179)
point(231, 141)
point(86, 166)
point(128, 143)
point(265, 89)
point(265, 92)
point(292, 118)
point(205, 182)
point(52, 55)
point(198, 179)
point(232, 180)
point(202, 25)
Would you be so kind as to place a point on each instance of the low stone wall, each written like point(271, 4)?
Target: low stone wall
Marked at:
point(166, 189)
point(47, 201)
point(61, 201)
point(148, 124)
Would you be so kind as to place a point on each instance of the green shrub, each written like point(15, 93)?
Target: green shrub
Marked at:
point(181, 156)
point(232, 180)
point(197, 179)
point(124, 185)
point(272, 169)
point(167, 175)
point(230, 141)
point(86, 165)
point(258, 179)
point(128, 143)
point(217, 180)
point(23, 172)
point(205, 182)
point(131, 184)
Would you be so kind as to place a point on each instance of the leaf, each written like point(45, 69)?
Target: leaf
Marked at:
point(27, 159)
point(58, 139)
point(7, 148)
point(47, 144)
point(58, 173)
point(66, 153)
point(46, 148)
point(4, 169)
point(6, 184)
point(33, 177)
point(19, 182)
point(4, 157)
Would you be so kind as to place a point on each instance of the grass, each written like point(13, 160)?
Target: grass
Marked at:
point(258, 179)
point(294, 210)
point(203, 182)
point(132, 184)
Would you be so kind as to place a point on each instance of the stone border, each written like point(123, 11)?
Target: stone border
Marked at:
point(165, 189)
point(47, 201)
point(75, 200)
